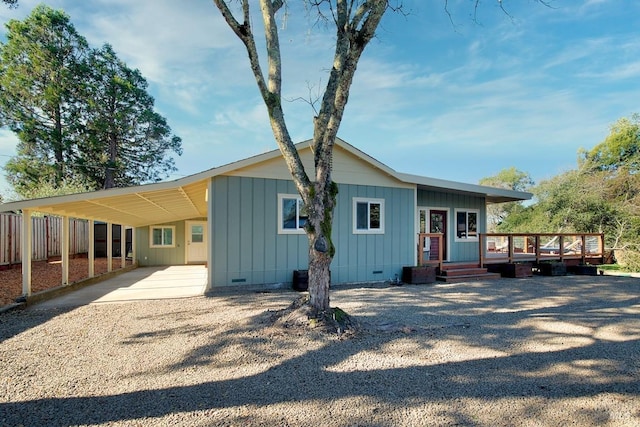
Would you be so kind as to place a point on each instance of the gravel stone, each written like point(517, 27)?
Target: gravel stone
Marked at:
point(542, 351)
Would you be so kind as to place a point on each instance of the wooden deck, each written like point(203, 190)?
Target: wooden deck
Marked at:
point(571, 249)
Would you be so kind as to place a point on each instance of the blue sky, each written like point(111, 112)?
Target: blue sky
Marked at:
point(457, 100)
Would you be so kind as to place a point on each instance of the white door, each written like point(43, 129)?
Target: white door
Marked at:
point(196, 236)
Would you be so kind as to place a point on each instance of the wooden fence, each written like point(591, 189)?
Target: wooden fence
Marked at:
point(46, 239)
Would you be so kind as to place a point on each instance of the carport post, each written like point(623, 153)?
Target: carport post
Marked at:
point(64, 250)
point(109, 246)
point(92, 248)
point(133, 245)
point(209, 195)
point(27, 231)
point(123, 246)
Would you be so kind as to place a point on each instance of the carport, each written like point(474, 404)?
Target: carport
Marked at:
point(132, 207)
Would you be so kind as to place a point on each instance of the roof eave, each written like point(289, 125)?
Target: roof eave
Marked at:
point(492, 194)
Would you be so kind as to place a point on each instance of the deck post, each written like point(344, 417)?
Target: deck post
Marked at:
point(440, 250)
point(510, 247)
point(482, 247)
point(27, 231)
point(91, 256)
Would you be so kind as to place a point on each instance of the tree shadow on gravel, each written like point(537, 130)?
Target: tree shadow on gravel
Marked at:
point(15, 322)
point(57, 300)
point(597, 364)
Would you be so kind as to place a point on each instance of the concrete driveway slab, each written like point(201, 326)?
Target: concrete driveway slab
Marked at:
point(143, 283)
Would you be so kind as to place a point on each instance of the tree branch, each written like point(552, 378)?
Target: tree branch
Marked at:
point(270, 90)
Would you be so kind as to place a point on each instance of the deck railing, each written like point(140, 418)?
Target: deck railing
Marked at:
point(537, 247)
point(430, 249)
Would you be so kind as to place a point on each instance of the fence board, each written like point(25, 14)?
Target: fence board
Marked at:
point(39, 242)
point(46, 239)
point(10, 227)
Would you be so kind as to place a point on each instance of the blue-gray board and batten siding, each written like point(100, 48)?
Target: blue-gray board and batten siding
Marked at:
point(148, 256)
point(459, 250)
point(247, 249)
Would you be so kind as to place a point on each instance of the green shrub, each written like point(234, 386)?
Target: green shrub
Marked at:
point(628, 259)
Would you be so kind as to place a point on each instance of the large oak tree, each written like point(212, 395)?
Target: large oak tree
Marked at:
point(355, 24)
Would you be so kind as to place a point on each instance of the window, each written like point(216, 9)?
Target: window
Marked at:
point(368, 216)
point(197, 234)
point(162, 236)
point(292, 216)
point(466, 224)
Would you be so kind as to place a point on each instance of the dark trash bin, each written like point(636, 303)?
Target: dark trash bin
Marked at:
point(300, 280)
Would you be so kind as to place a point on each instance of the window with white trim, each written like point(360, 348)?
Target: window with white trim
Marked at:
point(368, 216)
point(292, 216)
point(162, 236)
point(467, 224)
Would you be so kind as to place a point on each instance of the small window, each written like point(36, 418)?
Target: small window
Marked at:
point(162, 237)
point(466, 225)
point(197, 234)
point(368, 216)
point(292, 216)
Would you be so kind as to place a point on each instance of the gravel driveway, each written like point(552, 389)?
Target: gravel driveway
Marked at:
point(528, 352)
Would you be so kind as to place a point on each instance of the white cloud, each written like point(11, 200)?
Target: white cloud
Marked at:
point(156, 37)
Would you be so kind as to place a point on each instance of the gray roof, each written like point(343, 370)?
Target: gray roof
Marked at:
point(185, 198)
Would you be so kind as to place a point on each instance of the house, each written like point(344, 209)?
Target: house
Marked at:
point(244, 219)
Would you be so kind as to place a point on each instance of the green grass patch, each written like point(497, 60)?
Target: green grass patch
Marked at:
point(616, 268)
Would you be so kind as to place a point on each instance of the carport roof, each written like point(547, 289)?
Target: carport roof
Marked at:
point(186, 198)
point(136, 206)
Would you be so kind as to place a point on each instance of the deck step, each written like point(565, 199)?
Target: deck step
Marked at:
point(459, 265)
point(463, 272)
point(468, 277)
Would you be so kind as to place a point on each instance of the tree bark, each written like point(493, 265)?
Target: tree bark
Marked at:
point(109, 173)
point(58, 146)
